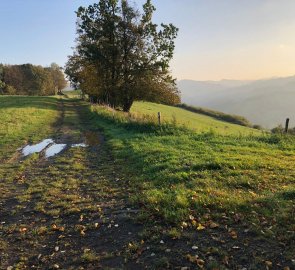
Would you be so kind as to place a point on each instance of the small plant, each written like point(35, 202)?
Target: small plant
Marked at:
point(89, 256)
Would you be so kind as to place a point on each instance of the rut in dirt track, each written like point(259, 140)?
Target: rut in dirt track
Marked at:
point(70, 211)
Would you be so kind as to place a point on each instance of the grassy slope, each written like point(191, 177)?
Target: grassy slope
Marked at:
point(207, 175)
point(25, 119)
point(191, 120)
point(177, 173)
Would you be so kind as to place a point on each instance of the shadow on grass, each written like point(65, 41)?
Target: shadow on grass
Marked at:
point(18, 102)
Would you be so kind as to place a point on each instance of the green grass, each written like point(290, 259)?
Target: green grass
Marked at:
point(230, 118)
point(177, 173)
point(194, 121)
point(24, 120)
point(181, 176)
point(73, 94)
point(42, 198)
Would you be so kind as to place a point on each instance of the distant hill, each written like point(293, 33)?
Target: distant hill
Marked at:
point(264, 102)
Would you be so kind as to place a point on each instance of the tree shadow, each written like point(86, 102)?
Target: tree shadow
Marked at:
point(18, 102)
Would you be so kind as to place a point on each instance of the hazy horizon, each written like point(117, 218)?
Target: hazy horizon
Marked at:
point(228, 39)
point(265, 102)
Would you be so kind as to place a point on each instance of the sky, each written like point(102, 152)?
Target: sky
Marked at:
point(218, 39)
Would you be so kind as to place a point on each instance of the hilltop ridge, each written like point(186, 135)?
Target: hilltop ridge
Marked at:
point(266, 102)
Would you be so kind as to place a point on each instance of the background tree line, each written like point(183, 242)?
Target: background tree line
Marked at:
point(31, 80)
point(122, 56)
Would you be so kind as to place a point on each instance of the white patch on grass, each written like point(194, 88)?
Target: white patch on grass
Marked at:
point(79, 145)
point(36, 148)
point(54, 150)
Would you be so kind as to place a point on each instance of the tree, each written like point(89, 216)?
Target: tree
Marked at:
point(2, 83)
point(31, 80)
point(57, 77)
point(121, 56)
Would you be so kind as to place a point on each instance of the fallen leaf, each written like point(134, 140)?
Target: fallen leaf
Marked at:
point(233, 234)
point(200, 263)
point(200, 227)
point(23, 230)
point(184, 224)
point(191, 217)
point(225, 260)
point(191, 258)
point(213, 225)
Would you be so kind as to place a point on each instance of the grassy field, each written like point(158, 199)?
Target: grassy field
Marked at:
point(73, 94)
point(204, 178)
point(25, 119)
point(194, 121)
point(227, 193)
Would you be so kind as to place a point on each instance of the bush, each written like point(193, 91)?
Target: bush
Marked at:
point(235, 119)
point(10, 90)
point(258, 127)
point(280, 130)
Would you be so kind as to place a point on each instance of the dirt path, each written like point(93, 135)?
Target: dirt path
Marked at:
point(69, 211)
point(72, 212)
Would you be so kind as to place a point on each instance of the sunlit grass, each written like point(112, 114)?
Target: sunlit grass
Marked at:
point(206, 174)
point(25, 119)
point(197, 122)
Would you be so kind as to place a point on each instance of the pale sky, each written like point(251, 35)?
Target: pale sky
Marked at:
point(218, 39)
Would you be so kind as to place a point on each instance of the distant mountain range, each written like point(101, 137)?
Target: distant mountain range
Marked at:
point(264, 102)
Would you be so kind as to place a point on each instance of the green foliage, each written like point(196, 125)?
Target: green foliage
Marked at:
point(10, 90)
point(57, 77)
point(121, 56)
point(235, 119)
point(31, 80)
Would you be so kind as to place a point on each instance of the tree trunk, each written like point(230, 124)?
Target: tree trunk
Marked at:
point(127, 105)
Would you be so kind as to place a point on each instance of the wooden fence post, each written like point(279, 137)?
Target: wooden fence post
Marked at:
point(287, 125)
point(159, 117)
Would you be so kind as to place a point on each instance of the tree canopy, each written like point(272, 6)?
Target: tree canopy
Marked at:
point(122, 56)
point(29, 79)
